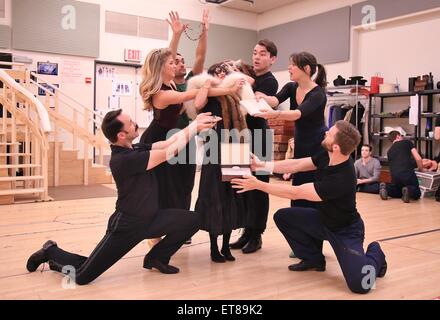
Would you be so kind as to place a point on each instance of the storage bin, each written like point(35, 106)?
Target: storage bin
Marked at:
point(429, 180)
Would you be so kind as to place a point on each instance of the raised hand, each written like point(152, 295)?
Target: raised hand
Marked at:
point(205, 20)
point(176, 25)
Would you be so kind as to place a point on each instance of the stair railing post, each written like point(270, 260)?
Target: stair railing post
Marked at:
point(27, 149)
point(86, 149)
point(56, 146)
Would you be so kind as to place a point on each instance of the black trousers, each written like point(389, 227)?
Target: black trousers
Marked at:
point(404, 179)
point(372, 187)
point(124, 232)
point(261, 209)
point(304, 231)
point(262, 147)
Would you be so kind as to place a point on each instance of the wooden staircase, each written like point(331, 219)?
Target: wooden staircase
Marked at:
point(24, 127)
point(72, 168)
point(32, 159)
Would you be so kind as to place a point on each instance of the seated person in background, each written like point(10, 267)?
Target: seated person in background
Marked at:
point(404, 182)
point(367, 171)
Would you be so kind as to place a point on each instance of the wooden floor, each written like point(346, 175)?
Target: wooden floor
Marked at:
point(78, 225)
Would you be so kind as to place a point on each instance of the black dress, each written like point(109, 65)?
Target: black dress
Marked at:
point(221, 208)
point(309, 129)
point(175, 181)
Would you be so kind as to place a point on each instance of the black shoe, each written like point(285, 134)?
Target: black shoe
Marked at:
point(39, 257)
point(383, 191)
point(227, 255)
point(164, 268)
point(405, 195)
point(305, 266)
point(253, 245)
point(189, 241)
point(217, 257)
point(241, 242)
point(383, 269)
point(55, 266)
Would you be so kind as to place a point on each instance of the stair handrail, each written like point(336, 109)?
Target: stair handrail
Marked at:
point(50, 93)
point(11, 64)
point(37, 76)
point(93, 116)
point(42, 112)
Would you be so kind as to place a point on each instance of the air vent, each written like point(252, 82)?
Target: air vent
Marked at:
point(153, 28)
point(2, 8)
point(136, 26)
point(120, 23)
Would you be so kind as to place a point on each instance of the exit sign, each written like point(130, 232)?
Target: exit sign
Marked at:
point(132, 55)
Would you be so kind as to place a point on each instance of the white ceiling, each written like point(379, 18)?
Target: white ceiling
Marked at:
point(258, 6)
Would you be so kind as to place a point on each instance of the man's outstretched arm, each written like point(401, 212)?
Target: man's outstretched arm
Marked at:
point(305, 191)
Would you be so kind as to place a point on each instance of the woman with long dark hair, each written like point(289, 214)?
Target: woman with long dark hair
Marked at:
point(307, 103)
point(220, 207)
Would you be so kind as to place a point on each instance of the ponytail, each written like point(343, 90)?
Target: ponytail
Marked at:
point(317, 71)
point(321, 78)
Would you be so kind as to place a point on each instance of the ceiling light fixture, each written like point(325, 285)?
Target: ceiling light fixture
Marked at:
point(222, 1)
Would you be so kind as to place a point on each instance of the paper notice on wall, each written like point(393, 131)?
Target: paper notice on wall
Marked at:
point(105, 72)
point(71, 71)
point(414, 110)
point(121, 88)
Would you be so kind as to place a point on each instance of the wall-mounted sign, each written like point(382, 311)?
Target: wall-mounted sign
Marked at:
point(131, 55)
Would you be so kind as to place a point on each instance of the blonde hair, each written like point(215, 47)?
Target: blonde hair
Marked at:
point(152, 75)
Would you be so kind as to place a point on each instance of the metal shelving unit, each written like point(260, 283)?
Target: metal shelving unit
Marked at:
point(374, 135)
point(418, 138)
point(429, 115)
point(349, 97)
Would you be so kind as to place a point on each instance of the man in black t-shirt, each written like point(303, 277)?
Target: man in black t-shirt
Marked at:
point(402, 159)
point(264, 56)
point(180, 80)
point(335, 218)
point(137, 215)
